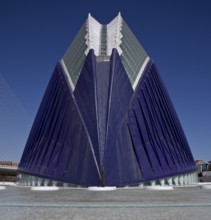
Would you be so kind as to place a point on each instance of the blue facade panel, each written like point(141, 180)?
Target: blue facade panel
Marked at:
point(120, 164)
point(59, 147)
point(159, 140)
point(102, 99)
point(85, 96)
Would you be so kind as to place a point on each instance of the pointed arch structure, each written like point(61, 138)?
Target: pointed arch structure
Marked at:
point(106, 118)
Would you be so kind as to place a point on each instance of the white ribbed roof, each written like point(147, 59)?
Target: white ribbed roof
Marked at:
point(94, 35)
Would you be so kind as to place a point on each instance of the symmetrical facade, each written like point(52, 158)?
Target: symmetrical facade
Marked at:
point(106, 118)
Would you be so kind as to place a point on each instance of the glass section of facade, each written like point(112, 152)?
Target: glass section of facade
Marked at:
point(133, 55)
point(103, 45)
point(75, 55)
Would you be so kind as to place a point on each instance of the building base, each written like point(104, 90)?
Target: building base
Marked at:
point(186, 179)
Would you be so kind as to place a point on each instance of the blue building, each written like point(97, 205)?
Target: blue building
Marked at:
point(106, 118)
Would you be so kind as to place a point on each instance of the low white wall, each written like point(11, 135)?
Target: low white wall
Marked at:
point(206, 173)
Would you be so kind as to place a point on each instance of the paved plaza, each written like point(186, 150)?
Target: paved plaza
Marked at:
point(131, 203)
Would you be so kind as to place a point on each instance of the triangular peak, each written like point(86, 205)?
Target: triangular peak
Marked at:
point(102, 39)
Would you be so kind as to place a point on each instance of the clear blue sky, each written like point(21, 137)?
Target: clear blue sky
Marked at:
point(177, 34)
